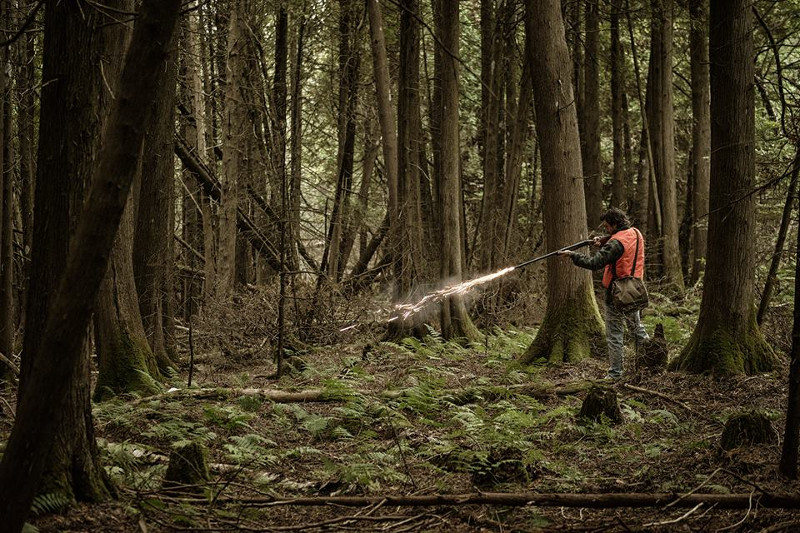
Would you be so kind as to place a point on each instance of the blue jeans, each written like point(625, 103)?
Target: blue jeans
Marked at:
point(615, 331)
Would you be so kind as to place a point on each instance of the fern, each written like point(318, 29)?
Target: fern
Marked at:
point(50, 502)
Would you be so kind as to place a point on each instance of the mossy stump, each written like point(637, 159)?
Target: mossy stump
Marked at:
point(598, 403)
point(187, 469)
point(653, 354)
point(746, 429)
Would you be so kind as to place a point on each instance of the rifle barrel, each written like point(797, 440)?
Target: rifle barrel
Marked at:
point(575, 246)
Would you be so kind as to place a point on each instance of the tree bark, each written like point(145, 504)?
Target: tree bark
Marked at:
point(619, 193)
point(592, 165)
point(43, 402)
point(572, 323)
point(662, 139)
point(153, 236)
point(727, 339)
point(455, 321)
point(701, 132)
point(74, 48)
point(234, 131)
point(7, 325)
point(791, 434)
point(349, 62)
point(296, 147)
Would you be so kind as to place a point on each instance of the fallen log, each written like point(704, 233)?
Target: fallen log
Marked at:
point(280, 396)
point(595, 501)
point(457, 396)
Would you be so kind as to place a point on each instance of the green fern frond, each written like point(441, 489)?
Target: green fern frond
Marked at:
point(51, 502)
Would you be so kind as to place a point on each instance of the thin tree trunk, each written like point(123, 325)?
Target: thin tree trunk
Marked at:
point(619, 193)
point(153, 236)
point(41, 408)
point(234, 130)
point(701, 132)
point(791, 434)
point(572, 323)
point(27, 165)
point(349, 59)
point(662, 138)
point(791, 196)
point(296, 144)
point(7, 325)
point(455, 321)
point(592, 164)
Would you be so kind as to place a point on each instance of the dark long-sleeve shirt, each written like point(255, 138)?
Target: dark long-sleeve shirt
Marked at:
point(608, 254)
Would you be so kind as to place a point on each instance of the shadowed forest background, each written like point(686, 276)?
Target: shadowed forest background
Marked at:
point(214, 213)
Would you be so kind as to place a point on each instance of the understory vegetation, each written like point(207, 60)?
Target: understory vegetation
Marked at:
point(426, 417)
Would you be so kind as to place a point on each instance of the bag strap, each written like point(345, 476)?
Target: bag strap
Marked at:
point(636, 253)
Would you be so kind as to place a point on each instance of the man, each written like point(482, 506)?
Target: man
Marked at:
point(617, 255)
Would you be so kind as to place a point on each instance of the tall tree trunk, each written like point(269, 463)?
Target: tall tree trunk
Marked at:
point(349, 59)
point(592, 165)
point(619, 193)
point(53, 370)
point(75, 45)
point(234, 131)
point(408, 252)
point(662, 138)
point(153, 236)
point(572, 322)
point(491, 102)
point(727, 339)
point(192, 128)
point(27, 166)
point(455, 321)
point(701, 132)
point(125, 361)
point(791, 434)
point(296, 145)
point(7, 325)
point(520, 126)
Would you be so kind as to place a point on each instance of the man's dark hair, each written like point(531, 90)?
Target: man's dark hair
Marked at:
point(616, 217)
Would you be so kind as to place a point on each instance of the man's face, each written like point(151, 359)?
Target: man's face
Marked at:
point(608, 227)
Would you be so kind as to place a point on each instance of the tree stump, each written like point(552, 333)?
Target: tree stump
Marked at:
point(747, 428)
point(600, 402)
point(653, 353)
point(188, 468)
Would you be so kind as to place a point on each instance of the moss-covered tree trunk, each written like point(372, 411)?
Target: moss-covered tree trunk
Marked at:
point(125, 361)
point(572, 323)
point(727, 339)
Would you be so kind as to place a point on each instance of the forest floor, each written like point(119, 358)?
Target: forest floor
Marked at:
point(423, 418)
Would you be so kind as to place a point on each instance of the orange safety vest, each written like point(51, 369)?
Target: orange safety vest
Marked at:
point(624, 265)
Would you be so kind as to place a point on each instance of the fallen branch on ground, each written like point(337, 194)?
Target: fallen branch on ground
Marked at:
point(11, 366)
point(458, 396)
point(670, 399)
point(595, 501)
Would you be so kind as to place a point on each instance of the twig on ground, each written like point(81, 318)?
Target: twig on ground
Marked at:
point(676, 520)
point(670, 399)
point(698, 487)
point(740, 522)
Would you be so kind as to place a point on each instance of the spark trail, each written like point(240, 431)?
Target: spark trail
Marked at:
point(403, 311)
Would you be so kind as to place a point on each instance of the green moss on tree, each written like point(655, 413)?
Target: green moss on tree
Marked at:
point(721, 351)
point(569, 332)
point(128, 367)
